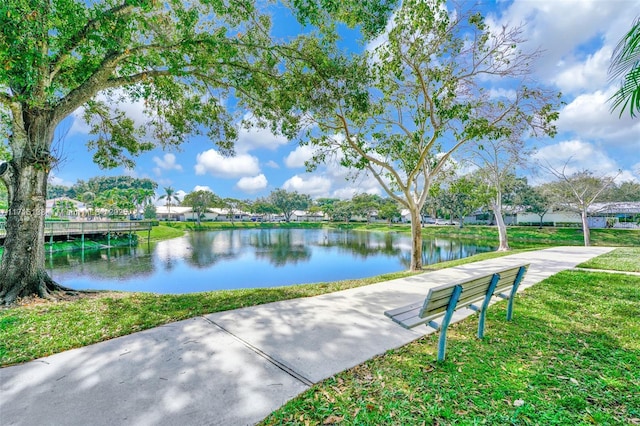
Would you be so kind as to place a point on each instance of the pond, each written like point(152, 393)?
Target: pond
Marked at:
point(248, 258)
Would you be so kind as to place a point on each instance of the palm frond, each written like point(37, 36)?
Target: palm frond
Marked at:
point(625, 63)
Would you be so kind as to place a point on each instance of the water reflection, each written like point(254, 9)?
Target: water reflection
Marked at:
point(116, 263)
point(248, 258)
point(280, 248)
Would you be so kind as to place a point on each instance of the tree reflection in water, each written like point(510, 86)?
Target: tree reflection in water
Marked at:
point(202, 261)
point(114, 263)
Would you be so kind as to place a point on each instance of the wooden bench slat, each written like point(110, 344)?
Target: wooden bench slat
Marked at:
point(397, 311)
point(438, 299)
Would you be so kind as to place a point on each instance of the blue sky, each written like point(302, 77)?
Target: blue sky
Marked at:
point(577, 38)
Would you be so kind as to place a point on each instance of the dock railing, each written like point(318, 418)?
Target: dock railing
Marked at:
point(88, 227)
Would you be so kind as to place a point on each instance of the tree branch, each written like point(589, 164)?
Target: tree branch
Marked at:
point(66, 51)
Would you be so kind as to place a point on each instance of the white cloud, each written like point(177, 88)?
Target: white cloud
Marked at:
point(298, 156)
point(562, 28)
point(347, 192)
point(502, 93)
point(588, 116)
point(272, 164)
point(167, 162)
point(202, 188)
point(55, 180)
point(588, 75)
point(628, 175)
point(314, 186)
point(212, 162)
point(130, 172)
point(574, 156)
point(256, 137)
point(252, 184)
point(134, 110)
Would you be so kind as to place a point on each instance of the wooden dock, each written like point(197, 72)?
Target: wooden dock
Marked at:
point(84, 228)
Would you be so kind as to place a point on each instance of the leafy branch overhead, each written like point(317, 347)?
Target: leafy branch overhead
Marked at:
point(181, 60)
point(192, 68)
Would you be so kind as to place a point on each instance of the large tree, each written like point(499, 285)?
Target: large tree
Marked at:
point(462, 196)
point(286, 202)
point(183, 60)
point(402, 110)
point(201, 201)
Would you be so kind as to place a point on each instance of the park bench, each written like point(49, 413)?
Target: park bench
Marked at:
point(444, 300)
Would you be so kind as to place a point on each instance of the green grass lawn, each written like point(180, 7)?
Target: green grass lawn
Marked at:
point(571, 356)
point(161, 232)
point(622, 259)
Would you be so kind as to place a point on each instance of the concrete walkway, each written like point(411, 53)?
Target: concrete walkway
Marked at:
point(235, 367)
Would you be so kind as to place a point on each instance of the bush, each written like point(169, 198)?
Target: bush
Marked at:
point(535, 224)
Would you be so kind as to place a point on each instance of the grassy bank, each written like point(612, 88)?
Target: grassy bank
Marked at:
point(34, 330)
point(519, 236)
point(161, 232)
point(570, 356)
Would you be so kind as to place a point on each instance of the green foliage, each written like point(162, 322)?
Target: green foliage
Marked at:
point(286, 202)
point(103, 183)
point(625, 63)
point(87, 190)
point(201, 201)
point(370, 15)
point(624, 191)
point(389, 210)
point(149, 211)
point(366, 205)
point(183, 60)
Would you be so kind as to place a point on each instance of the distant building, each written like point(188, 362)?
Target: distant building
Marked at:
point(600, 215)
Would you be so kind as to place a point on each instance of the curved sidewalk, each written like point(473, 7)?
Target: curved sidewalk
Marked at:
point(235, 367)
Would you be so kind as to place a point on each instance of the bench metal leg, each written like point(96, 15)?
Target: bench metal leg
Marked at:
point(514, 290)
point(442, 342)
point(485, 304)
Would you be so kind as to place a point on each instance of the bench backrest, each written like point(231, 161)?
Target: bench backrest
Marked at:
point(473, 290)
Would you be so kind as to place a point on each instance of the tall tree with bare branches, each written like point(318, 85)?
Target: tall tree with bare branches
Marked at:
point(401, 111)
point(577, 192)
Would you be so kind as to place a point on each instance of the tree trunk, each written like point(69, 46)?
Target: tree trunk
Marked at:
point(22, 271)
point(416, 237)
point(502, 228)
point(585, 228)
